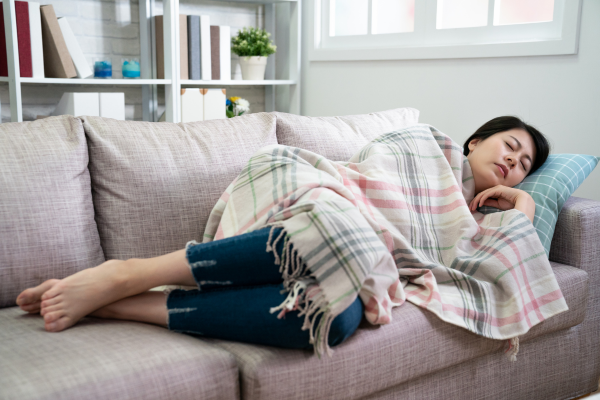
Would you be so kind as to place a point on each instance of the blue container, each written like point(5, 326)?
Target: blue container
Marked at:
point(131, 69)
point(103, 69)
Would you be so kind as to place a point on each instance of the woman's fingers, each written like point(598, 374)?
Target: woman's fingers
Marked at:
point(492, 203)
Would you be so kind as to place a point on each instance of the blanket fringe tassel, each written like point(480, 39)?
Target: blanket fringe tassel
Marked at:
point(513, 349)
point(304, 293)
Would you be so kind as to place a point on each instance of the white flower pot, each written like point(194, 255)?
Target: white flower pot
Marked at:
point(253, 68)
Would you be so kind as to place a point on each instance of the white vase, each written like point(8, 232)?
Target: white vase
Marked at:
point(253, 68)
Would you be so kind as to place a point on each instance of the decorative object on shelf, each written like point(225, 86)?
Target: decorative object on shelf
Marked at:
point(131, 68)
point(103, 69)
point(236, 106)
point(253, 46)
point(192, 104)
point(213, 103)
point(110, 105)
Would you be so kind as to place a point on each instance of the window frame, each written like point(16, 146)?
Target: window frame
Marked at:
point(561, 37)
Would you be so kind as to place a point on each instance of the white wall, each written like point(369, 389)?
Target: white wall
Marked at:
point(560, 95)
point(110, 29)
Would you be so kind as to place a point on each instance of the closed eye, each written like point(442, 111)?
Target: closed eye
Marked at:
point(522, 165)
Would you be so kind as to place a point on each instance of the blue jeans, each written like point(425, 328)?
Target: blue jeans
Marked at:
point(239, 283)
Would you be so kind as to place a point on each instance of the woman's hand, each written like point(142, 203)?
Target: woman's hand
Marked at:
point(505, 198)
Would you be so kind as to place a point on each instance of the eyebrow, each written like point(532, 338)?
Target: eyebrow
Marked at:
point(519, 144)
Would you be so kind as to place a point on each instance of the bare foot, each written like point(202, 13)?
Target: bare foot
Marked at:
point(72, 298)
point(30, 299)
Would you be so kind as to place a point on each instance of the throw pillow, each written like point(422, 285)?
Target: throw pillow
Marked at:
point(550, 186)
point(338, 138)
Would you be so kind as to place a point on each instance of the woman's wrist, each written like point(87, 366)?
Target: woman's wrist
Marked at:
point(526, 205)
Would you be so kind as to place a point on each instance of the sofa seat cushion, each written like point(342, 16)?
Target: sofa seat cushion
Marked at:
point(338, 138)
point(154, 184)
point(374, 358)
point(47, 226)
point(109, 359)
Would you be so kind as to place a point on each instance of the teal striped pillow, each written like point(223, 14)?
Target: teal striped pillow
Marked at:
point(550, 186)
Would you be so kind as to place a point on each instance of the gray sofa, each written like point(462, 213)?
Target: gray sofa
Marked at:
point(75, 192)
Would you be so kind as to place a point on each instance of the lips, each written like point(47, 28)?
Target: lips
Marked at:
point(502, 169)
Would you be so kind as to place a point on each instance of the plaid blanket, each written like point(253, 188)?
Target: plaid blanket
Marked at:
point(391, 224)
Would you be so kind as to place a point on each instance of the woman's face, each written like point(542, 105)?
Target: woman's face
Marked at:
point(504, 158)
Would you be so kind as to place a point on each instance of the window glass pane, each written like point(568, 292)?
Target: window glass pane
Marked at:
point(348, 17)
point(393, 16)
point(461, 13)
point(508, 12)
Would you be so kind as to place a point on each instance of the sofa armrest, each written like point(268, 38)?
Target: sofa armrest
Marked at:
point(576, 240)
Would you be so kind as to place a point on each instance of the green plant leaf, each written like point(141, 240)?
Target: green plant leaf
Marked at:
point(252, 42)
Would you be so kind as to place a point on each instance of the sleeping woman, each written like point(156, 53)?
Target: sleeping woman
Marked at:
point(238, 282)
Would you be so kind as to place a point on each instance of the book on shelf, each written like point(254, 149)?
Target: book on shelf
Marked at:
point(193, 31)
point(23, 41)
point(183, 47)
point(199, 47)
point(160, 47)
point(225, 52)
point(110, 105)
point(57, 60)
point(37, 47)
point(205, 68)
point(81, 66)
point(215, 52)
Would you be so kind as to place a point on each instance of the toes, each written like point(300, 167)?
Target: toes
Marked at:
point(50, 302)
point(59, 324)
point(32, 307)
point(26, 296)
point(33, 295)
point(53, 291)
point(53, 316)
point(50, 309)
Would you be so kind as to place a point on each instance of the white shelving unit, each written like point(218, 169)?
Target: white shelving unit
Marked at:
point(282, 77)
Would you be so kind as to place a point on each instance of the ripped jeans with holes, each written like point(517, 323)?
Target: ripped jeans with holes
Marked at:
point(239, 283)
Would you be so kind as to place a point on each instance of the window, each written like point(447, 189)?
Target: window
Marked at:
point(417, 29)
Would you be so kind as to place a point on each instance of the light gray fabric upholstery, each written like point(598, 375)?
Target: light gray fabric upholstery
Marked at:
point(551, 367)
point(576, 242)
point(338, 138)
point(154, 184)
point(109, 359)
point(47, 227)
point(416, 343)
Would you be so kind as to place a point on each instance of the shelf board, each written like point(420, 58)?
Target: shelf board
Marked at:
point(269, 82)
point(133, 82)
point(91, 81)
point(263, 1)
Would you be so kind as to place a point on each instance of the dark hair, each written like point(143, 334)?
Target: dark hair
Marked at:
point(506, 123)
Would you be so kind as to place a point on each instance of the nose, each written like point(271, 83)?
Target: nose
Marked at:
point(511, 161)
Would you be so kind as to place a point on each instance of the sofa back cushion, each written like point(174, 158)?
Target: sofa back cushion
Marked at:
point(154, 184)
point(338, 138)
point(47, 227)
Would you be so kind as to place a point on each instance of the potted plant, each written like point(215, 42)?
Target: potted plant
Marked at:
point(253, 46)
